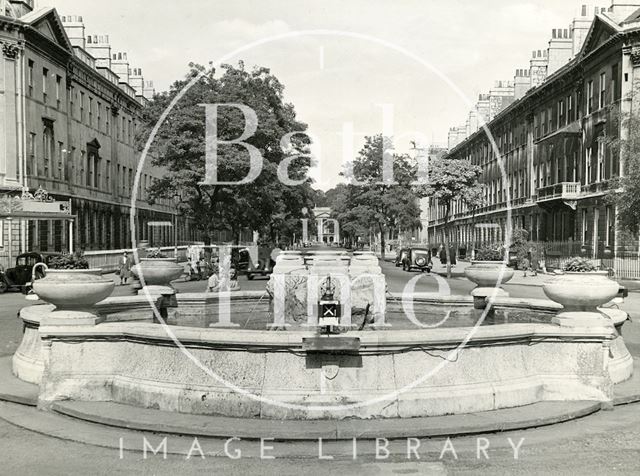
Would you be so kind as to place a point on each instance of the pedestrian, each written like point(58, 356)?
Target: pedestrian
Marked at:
point(443, 255)
point(204, 268)
point(526, 265)
point(124, 268)
point(213, 283)
point(533, 261)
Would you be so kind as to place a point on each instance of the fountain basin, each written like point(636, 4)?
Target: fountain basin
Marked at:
point(394, 373)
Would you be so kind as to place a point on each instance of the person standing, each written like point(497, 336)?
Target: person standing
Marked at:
point(533, 261)
point(124, 268)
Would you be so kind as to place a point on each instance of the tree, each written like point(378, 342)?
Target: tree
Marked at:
point(451, 180)
point(474, 198)
point(624, 191)
point(179, 148)
point(372, 202)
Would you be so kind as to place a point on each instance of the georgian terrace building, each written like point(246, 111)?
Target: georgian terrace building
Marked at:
point(557, 165)
point(69, 109)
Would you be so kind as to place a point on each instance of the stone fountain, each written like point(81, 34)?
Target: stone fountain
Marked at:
point(396, 370)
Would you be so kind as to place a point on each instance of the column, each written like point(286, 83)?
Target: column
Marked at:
point(320, 230)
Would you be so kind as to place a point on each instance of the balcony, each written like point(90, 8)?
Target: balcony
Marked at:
point(566, 193)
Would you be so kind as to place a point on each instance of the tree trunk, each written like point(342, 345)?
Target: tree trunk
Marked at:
point(383, 242)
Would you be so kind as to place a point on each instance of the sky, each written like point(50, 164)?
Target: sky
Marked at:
point(425, 60)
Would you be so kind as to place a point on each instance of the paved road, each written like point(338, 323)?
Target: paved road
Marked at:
point(604, 443)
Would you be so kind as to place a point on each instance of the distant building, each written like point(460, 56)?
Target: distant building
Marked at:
point(70, 110)
point(556, 165)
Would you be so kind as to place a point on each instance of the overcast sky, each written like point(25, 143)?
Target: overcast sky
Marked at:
point(337, 79)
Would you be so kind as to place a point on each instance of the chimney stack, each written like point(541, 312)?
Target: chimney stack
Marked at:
point(521, 82)
point(136, 81)
point(579, 28)
point(74, 27)
point(538, 68)
point(560, 50)
point(98, 46)
point(120, 66)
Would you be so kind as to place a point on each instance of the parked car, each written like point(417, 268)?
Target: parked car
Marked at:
point(19, 278)
point(417, 258)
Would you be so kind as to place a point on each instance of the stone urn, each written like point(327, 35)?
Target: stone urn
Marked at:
point(73, 292)
point(157, 274)
point(485, 274)
point(580, 294)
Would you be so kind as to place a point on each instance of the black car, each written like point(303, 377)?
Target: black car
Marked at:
point(417, 258)
point(17, 278)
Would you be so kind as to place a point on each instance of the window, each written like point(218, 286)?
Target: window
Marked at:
point(99, 114)
point(58, 91)
point(81, 106)
point(561, 118)
point(60, 169)
point(69, 170)
point(32, 154)
point(107, 123)
point(108, 175)
point(615, 84)
point(91, 111)
point(550, 117)
point(544, 122)
point(89, 170)
point(600, 159)
point(30, 77)
point(47, 149)
point(72, 95)
point(609, 224)
point(45, 80)
point(587, 166)
point(81, 169)
point(589, 97)
point(97, 171)
point(585, 226)
point(603, 90)
point(569, 108)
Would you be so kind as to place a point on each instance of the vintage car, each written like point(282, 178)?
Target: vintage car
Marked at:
point(19, 278)
point(417, 258)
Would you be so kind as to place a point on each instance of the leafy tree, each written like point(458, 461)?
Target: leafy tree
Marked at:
point(179, 148)
point(373, 203)
point(451, 180)
point(624, 192)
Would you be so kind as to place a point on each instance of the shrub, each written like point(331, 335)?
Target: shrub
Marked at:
point(69, 261)
point(579, 265)
point(490, 254)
